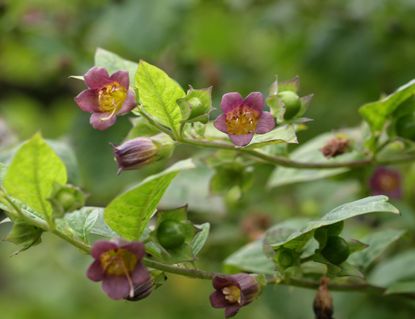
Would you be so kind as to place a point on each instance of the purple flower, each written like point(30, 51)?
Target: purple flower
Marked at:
point(106, 97)
point(118, 265)
point(233, 292)
point(386, 181)
point(242, 118)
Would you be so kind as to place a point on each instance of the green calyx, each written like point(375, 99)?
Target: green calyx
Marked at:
point(292, 103)
point(66, 198)
point(405, 127)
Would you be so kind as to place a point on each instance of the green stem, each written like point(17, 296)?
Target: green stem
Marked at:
point(287, 162)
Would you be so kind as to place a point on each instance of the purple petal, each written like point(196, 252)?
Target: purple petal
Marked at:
point(128, 104)
point(116, 287)
point(255, 100)
point(265, 124)
point(140, 275)
point(87, 101)
point(137, 248)
point(102, 121)
point(97, 77)
point(95, 271)
point(217, 300)
point(231, 311)
point(122, 78)
point(220, 282)
point(241, 140)
point(230, 101)
point(220, 123)
point(102, 246)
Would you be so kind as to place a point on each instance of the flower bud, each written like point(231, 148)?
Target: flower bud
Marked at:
point(142, 290)
point(142, 150)
point(323, 302)
point(66, 198)
point(291, 102)
point(335, 147)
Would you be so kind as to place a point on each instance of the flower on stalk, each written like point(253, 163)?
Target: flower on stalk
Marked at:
point(140, 151)
point(386, 181)
point(118, 264)
point(242, 118)
point(106, 97)
point(233, 292)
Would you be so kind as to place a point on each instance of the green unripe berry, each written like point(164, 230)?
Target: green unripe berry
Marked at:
point(292, 103)
point(335, 229)
point(320, 235)
point(171, 234)
point(285, 258)
point(336, 250)
point(405, 127)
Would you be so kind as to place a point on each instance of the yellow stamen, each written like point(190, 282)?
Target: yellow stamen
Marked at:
point(118, 262)
point(232, 294)
point(111, 98)
point(241, 120)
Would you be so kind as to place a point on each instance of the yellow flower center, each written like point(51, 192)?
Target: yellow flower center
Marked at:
point(241, 120)
point(111, 97)
point(388, 183)
point(232, 294)
point(118, 262)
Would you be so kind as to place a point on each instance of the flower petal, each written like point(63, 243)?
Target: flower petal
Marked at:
point(122, 78)
point(220, 123)
point(137, 248)
point(102, 246)
point(116, 287)
point(128, 104)
point(265, 124)
point(230, 101)
point(220, 282)
point(102, 121)
point(231, 311)
point(95, 271)
point(241, 140)
point(87, 101)
point(140, 275)
point(217, 300)
point(255, 100)
point(97, 77)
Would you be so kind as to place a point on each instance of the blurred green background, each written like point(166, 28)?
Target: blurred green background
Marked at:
point(346, 52)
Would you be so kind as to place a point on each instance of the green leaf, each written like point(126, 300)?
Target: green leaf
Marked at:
point(3, 169)
point(141, 127)
point(376, 113)
point(87, 223)
point(200, 238)
point(282, 134)
point(398, 268)
point(158, 94)
point(377, 243)
point(298, 238)
point(113, 63)
point(405, 287)
point(251, 258)
point(32, 173)
point(129, 213)
point(310, 153)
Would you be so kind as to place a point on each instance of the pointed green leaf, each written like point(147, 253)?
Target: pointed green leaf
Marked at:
point(404, 287)
point(200, 238)
point(158, 94)
point(377, 243)
point(113, 63)
point(299, 238)
point(129, 213)
point(32, 173)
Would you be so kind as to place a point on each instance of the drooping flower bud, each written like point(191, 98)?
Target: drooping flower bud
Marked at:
point(142, 290)
point(140, 151)
point(323, 302)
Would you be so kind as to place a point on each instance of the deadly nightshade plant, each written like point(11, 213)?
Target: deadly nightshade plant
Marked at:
point(242, 118)
point(106, 97)
point(233, 292)
point(386, 181)
point(118, 264)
